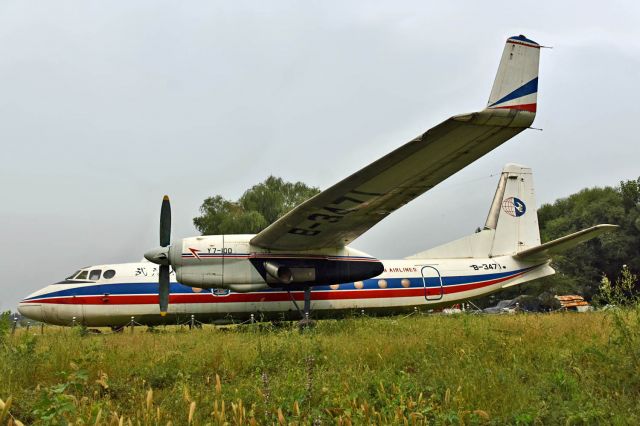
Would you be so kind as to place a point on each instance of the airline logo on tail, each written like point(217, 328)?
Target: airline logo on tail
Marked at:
point(514, 207)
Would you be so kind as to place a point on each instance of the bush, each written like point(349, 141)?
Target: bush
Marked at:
point(5, 326)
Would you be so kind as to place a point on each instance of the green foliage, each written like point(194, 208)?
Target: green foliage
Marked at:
point(258, 207)
point(579, 269)
point(24, 348)
point(57, 404)
point(165, 373)
point(557, 368)
point(624, 291)
point(5, 326)
point(630, 191)
point(220, 216)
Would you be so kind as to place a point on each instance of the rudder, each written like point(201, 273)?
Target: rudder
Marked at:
point(516, 83)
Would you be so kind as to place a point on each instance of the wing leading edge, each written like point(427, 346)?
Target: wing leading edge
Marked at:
point(340, 214)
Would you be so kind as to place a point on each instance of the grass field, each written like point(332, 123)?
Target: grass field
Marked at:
point(560, 368)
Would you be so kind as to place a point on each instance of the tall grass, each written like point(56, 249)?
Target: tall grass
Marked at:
point(516, 369)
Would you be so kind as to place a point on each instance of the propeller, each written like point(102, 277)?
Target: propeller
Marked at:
point(165, 222)
point(165, 240)
point(160, 255)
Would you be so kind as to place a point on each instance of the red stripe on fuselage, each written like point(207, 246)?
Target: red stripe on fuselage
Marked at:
point(282, 296)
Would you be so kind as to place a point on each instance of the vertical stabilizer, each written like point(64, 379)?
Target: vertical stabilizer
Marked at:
point(511, 226)
point(516, 218)
point(516, 84)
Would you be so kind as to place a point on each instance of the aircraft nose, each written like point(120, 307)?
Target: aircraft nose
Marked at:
point(31, 310)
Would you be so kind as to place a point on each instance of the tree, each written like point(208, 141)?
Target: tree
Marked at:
point(583, 266)
point(256, 209)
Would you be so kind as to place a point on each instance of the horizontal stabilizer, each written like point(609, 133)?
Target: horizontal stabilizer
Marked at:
point(547, 250)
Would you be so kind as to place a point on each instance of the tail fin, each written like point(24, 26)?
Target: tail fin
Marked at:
point(514, 219)
point(511, 226)
point(513, 214)
point(516, 84)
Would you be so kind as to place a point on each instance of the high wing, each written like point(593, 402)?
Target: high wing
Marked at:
point(340, 214)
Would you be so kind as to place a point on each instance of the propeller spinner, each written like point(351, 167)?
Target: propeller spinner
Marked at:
point(160, 255)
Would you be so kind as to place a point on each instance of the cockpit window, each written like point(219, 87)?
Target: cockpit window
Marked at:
point(81, 276)
point(108, 274)
point(70, 277)
point(95, 274)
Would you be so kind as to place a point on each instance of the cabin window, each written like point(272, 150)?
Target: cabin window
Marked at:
point(70, 277)
point(95, 274)
point(109, 273)
point(81, 276)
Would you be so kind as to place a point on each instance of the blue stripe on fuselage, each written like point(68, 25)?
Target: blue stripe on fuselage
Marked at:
point(177, 288)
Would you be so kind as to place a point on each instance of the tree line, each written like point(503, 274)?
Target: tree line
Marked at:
point(580, 270)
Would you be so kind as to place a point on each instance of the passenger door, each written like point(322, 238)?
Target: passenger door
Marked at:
point(432, 281)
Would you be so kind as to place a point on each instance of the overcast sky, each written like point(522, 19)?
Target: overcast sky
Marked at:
point(107, 105)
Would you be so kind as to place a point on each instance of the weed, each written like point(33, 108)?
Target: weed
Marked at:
point(5, 327)
point(521, 369)
point(626, 322)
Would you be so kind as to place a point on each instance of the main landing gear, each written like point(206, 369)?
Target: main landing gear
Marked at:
point(306, 321)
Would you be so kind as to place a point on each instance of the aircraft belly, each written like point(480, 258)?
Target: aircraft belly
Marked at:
point(63, 314)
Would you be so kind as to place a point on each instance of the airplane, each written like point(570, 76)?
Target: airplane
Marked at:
point(505, 253)
point(308, 248)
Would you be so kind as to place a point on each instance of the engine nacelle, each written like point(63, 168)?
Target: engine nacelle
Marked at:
point(230, 262)
point(287, 275)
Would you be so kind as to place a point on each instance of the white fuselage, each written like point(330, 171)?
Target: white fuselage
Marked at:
point(404, 285)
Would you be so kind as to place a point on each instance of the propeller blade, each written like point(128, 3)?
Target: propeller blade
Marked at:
point(165, 222)
point(163, 290)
